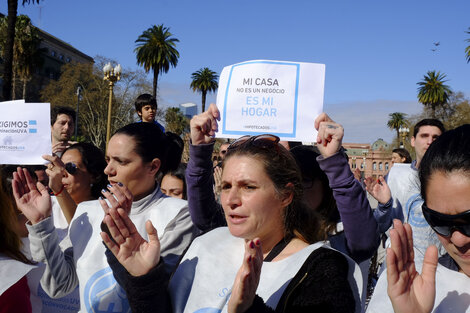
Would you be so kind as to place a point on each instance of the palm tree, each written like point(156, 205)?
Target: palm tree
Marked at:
point(204, 81)
point(467, 50)
point(10, 39)
point(432, 91)
point(26, 51)
point(156, 50)
point(396, 121)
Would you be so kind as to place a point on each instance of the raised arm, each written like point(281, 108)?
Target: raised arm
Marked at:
point(205, 211)
point(59, 278)
point(55, 171)
point(360, 226)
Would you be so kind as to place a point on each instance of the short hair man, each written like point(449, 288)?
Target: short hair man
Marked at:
point(404, 200)
point(62, 127)
point(146, 108)
point(425, 132)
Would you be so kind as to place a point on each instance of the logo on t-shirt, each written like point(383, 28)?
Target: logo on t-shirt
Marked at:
point(104, 295)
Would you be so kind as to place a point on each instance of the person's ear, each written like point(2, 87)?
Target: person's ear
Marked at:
point(139, 113)
point(155, 166)
point(413, 141)
point(288, 195)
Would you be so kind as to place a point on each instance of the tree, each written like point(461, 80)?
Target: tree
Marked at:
point(95, 97)
point(10, 38)
point(204, 81)
point(156, 50)
point(396, 121)
point(26, 51)
point(432, 91)
point(175, 121)
point(467, 50)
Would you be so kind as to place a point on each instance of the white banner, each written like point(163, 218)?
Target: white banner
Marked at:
point(271, 97)
point(25, 132)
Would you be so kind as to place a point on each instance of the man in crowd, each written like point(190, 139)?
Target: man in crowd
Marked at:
point(62, 127)
point(399, 196)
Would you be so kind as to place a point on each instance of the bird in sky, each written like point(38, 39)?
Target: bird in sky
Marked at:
point(437, 43)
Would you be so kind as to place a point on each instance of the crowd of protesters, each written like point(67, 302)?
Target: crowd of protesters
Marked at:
point(267, 226)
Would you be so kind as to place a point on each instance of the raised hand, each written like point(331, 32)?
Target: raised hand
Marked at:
point(330, 135)
point(55, 170)
point(33, 200)
point(408, 290)
point(203, 126)
point(131, 250)
point(218, 180)
point(378, 188)
point(118, 196)
point(247, 279)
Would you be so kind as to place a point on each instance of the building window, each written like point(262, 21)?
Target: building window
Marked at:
point(381, 166)
point(374, 166)
point(68, 60)
point(53, 53)
point(61, 57)
point(386, 166)
point(362, 165)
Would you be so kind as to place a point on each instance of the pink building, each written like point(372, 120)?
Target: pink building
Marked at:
point(372, 160)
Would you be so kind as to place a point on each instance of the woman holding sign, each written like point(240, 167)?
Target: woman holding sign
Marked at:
point(263, 260)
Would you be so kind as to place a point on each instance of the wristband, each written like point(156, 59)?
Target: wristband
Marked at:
point(61, 189)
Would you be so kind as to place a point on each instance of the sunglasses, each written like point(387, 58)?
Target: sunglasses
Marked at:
point(446, 224)
point(262, 141)
point(71, 168)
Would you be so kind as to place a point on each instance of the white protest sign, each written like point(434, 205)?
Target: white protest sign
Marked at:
point(271, 97)
point(25, 132)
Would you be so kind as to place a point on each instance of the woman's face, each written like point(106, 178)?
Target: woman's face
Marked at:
point(251, 204)
point(449, 193)
point(396, 158)
point(127, 167)
point(172, 186)
point(77, 185)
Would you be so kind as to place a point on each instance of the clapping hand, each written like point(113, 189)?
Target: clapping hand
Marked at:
point(33, 200)
point(378, 188)
point(409, 291)
point(136, 254)
point(247, 279)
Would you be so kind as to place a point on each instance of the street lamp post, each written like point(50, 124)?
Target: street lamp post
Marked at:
point(404, 131)
point(112, 75)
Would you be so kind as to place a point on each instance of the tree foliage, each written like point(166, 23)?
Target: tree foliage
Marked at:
point(26, 52)
point(396, 121)
point(175, 121)
point(156, 50)
point(454, 113)
point(467, 49)
point(204, 81)
point(95, 97)
point(9, 42)
point(432, 91)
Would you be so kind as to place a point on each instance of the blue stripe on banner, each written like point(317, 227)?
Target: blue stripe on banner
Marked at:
point(33, 130)
point(32, 122)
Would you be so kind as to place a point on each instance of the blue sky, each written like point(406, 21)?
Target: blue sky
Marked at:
point(375, 51)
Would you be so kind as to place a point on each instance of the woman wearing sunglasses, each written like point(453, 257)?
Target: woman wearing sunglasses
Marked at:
point(75, 177)
point(444, 283)
point(263, 260)
point(136, 154)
